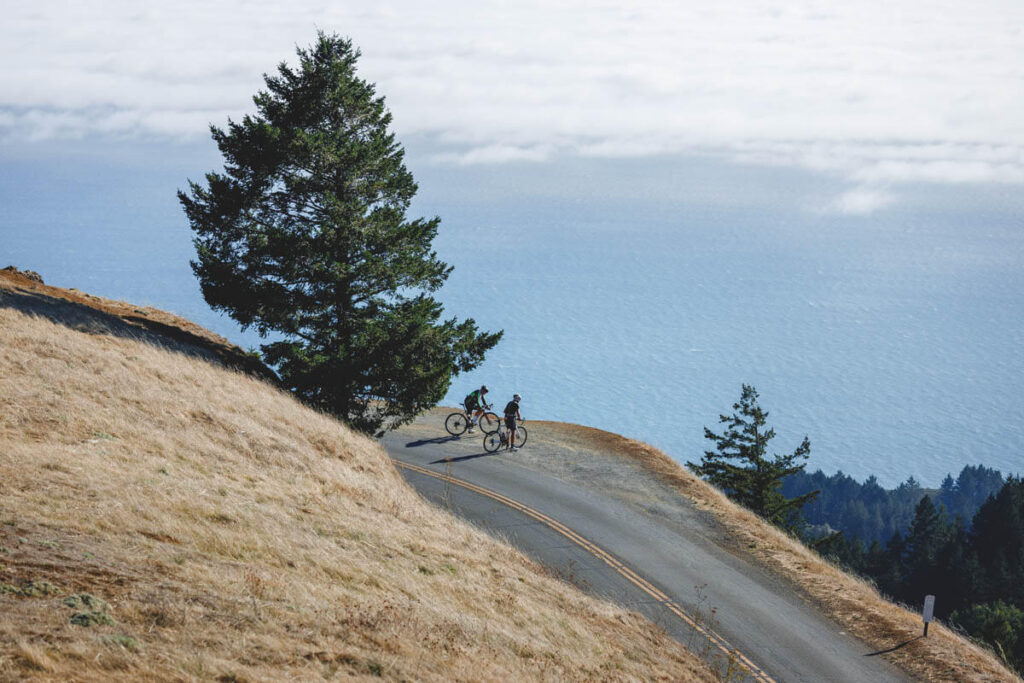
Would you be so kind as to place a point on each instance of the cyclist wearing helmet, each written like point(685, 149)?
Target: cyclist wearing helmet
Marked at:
point(511, 415)
point(475, 405)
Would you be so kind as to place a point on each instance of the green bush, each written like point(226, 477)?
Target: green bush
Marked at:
point(1000, 625)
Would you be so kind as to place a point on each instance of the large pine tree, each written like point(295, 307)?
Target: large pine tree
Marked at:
point(741, 467)
point(304, 237)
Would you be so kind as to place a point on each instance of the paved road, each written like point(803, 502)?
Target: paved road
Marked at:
point(716, 603)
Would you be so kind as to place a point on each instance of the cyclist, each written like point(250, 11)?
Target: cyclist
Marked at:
point(475, 406)
point(511, 415)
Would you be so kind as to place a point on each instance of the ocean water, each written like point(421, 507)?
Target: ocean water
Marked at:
point(893, 341)
point(895, 346)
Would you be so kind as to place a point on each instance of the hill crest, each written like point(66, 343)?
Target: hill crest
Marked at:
point(162, 517)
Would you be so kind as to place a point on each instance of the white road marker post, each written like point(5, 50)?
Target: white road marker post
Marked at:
point(929, 611)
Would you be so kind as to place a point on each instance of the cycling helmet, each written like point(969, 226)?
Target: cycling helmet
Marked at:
point(483, 388)
point(516, 397)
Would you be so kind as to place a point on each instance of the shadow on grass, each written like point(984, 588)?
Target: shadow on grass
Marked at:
point(84, 318)
point(893, 648)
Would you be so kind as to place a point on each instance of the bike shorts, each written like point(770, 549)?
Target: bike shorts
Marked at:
point(510, 422)
point(471, 406)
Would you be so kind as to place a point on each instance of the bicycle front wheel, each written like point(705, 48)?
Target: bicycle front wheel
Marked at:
point(520, 437)
point(456, 424)
point(488, 423)
point(492, 441)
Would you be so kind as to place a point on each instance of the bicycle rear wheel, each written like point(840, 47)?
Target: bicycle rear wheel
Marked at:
point(520, 437)
point(456, 424)
point(492, 441)
point(488, 423)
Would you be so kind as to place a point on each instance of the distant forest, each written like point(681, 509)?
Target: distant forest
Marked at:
point(963, 543)
point(871, 513)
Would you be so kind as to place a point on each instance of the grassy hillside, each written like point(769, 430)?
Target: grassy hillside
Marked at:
point(164, 517)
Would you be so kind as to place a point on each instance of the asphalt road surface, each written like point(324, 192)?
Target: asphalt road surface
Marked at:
point(746, 622)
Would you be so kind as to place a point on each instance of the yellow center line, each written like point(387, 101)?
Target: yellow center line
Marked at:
point(719, 642)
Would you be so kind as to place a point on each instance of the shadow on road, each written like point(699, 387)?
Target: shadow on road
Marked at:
point(424, 442)
point(464, 457)
point(893, 648)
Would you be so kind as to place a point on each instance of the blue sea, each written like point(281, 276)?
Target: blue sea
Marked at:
point(638, 297)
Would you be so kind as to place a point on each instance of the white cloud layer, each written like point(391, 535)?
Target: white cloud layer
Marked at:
point(861, 201)
point(875, 91)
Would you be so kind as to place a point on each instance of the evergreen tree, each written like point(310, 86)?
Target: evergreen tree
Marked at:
point(844, 551)
point(875, 562)
point(304, 236)
point(926, 538)
point(872, 492)
point(869, 512)
point(976, 574)
point(997, 536)
point(963, 496)
point(927, 534)
point(957, 574)
point(741, 467)
point(893, 567)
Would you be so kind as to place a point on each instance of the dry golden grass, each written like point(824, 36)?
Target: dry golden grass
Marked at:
point(851, 601)
point(237, 535)
point(78, 310)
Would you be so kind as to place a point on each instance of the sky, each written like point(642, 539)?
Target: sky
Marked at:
point(876, 95)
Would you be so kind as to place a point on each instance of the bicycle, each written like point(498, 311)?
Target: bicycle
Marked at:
point(456, 424)
point(498, 438)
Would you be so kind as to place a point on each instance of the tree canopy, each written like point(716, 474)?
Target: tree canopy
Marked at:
point(304, 237)
point(871, 513)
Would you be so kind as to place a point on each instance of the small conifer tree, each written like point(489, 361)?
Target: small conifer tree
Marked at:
point(741, 467)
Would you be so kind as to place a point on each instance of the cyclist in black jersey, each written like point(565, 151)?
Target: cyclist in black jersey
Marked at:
point(475, 406)
point(511, 415)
